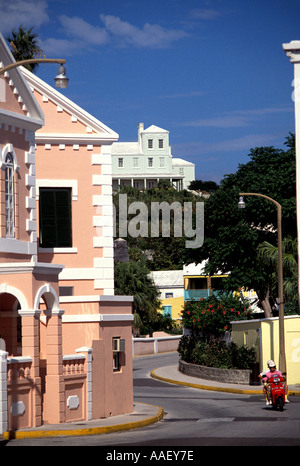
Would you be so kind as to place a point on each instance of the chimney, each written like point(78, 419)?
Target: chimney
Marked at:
point(140, 130)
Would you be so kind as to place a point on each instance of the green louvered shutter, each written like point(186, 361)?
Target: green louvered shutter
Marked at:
point(55, 218)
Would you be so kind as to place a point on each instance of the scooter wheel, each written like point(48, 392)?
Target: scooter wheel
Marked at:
point(279, 403)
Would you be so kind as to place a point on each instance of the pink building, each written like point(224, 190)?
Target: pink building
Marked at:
point(65, 338)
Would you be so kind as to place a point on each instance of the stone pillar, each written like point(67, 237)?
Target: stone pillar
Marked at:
point(88, 368)
point(292, 50)
point(30, 347)
point(54, 401)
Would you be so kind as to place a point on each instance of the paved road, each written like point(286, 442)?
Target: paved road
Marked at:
point(193, 418)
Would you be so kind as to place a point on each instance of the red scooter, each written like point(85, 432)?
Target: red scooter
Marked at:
point(277, 392)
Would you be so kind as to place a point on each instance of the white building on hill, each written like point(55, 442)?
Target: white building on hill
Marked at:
point(144, 163)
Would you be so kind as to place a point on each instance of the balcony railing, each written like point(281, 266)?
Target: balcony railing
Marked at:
point(196, 295)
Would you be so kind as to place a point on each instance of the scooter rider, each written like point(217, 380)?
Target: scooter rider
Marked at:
point(265, 375)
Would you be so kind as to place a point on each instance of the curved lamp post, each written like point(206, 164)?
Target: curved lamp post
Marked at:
point(241, 205)
point(61, 80)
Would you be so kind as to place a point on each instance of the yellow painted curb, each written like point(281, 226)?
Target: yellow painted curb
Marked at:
point(215, 389)
point(9, 435)
point(206, 387)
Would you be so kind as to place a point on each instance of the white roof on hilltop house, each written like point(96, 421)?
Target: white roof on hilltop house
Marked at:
point(178, 161)
point(126, 148)
point(155, 129)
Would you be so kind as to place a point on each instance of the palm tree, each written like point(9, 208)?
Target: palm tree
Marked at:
point(24, 46)
point(133, 279)
point(268, 253)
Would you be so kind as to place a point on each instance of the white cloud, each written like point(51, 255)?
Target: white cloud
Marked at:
point(262, 111)
point(236, 119)
point(151, 35)
point(246, 142)
point(84, 31)
point(28, 13)
point(80, 34)
point(228, 121)
point(63, 46)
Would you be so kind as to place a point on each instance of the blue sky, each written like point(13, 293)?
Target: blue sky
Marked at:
point(212, 72)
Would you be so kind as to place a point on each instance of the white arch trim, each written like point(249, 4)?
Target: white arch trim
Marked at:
point(8, 149)
point(51, 298)
point(5, 288)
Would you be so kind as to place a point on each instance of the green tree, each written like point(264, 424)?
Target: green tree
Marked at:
point(24, 46)
point(132, 279)
point(232, 236)
point(209, 186)
point(162, 253)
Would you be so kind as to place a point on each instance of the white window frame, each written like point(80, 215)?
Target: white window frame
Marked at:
point(167, 310)
point(118, 346)
point(73, 184)
point(8, 149)
point(9, 196)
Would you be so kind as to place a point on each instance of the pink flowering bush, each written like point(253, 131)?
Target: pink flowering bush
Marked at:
point(212, 316)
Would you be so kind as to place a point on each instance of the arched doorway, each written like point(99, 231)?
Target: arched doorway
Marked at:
point(10, 324)
point(11, 302)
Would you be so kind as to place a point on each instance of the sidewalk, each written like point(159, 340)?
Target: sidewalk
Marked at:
point(142, 415)
point(171, 374)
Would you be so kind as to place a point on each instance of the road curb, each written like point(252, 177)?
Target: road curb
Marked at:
point(215, 388)
point(13, 435)
point(206, 387)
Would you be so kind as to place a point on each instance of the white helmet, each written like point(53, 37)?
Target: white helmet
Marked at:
point(271, 363)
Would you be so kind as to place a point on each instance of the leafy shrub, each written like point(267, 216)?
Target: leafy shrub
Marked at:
point(186, 348)
point(215, 353)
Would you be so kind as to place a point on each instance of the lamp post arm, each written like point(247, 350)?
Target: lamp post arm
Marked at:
point(31, 60)
point(261, 195)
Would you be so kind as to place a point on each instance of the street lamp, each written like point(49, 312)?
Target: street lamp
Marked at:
point(61, 80)
point(242, 205)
